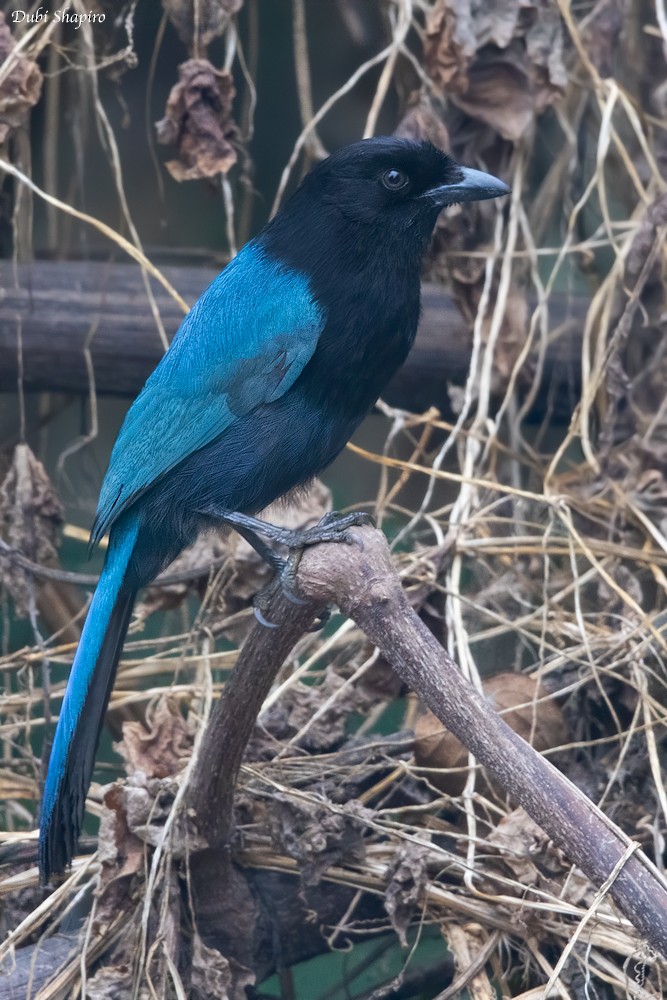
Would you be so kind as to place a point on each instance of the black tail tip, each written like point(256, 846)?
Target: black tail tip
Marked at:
point(57, 847)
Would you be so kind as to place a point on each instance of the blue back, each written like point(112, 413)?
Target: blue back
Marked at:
point(244, 343)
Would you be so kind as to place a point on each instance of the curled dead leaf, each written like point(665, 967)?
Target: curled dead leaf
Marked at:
point(31, 516)
point(511, 340)
point(521, 703)
point(506, 91)
point(314, 836)
point(202, 21)
point(21, 88)
point(629, 583)
point(601, 34)
point(215, 977)
point(407, 875)
point(111, 982)
point(297, 708)
point(198, 122)
point(137, 809)
point(421, 121)
point(500, 63)
point(652, 228)
point(533, 858)
point(160, 748)
point(119, 850)
point(521, 842)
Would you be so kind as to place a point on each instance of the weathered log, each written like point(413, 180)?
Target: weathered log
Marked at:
point(52, 312)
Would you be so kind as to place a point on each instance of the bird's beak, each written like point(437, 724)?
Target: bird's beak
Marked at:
point(475, 185)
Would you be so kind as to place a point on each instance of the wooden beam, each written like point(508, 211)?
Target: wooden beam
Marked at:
point(53, 312)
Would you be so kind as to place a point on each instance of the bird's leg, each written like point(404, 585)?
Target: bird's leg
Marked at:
point(263, 550)
point(277, 564)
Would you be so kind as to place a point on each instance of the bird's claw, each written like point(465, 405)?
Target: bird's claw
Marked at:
point(264, 597)
point(283, 581)
point(291, 596)
point(356, 519)
point(334, 527)
point(262, 620)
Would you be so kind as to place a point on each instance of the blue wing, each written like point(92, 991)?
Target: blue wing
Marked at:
point(244, 342)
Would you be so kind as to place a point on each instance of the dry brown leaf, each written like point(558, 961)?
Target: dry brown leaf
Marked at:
point(199, 123)
point(111, 982)
point(21, 88)
point(139, 807)
point(468, 278)
point(608, 597)
point(216, 978)
point(31, 516)
point(504, 90)
point(602, 32)
point(299, 703)
point(160, 748)
point(421, 121)
point(119, 850)
point(511, 340)
point(515, 697)
point(407, 875)
point(314, 836)
point(501, 63)
point(658, 105)
point(533, 858)
point(521, 841)
point(202, 21)
point(651, 228)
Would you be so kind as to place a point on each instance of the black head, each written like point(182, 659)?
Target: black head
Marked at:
point(396, 182)
point(365, 215)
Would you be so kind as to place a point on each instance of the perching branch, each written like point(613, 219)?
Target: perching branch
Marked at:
point(361, 580)
point(234, 716)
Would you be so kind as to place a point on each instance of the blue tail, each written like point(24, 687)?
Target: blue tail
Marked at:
point(85, 703)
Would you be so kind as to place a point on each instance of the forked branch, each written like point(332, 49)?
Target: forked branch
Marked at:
point(361, 580)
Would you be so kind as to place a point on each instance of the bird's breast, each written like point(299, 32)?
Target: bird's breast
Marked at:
point(366, 339)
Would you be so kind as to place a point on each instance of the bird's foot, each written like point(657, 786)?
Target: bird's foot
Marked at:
point(284, 582)
point(280, 582)
point(333, 527)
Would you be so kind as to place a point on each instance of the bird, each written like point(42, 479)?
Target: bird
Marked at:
point(265, 381)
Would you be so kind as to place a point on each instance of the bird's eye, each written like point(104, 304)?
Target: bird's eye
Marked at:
point(394, 179)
